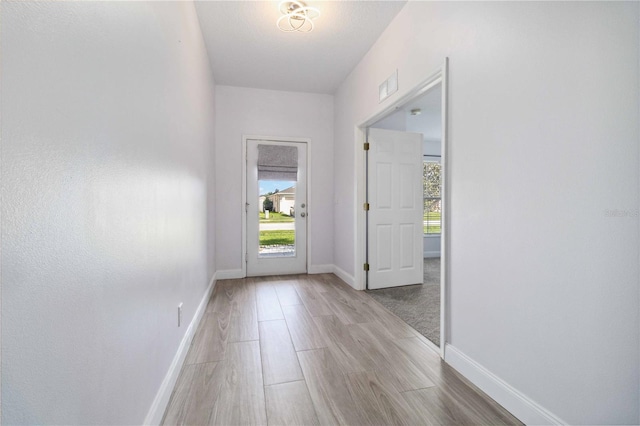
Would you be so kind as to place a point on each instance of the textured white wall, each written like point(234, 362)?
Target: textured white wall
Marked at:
point(107, 124)
point(544, 141)
point(428, 123)
point(394, 121)
point(272, 113)
point(211, 192)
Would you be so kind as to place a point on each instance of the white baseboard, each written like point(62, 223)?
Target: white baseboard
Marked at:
point(320, 269)
point(526, 410)
point(427, 254)
point(344, 276)
point(428, 343)
point(160, 402)
point(229, 274)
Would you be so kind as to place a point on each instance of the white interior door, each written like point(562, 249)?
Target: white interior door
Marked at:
point(277, 240)
point(395, 223)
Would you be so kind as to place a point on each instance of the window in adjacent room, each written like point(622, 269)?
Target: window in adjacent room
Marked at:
point(432, 195)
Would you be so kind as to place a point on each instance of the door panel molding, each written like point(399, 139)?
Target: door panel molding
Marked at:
point(395, 215)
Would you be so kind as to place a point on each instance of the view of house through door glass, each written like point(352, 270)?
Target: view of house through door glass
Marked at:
point(276, 207)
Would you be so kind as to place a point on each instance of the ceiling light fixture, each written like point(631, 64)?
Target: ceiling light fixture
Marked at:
point(296, 16)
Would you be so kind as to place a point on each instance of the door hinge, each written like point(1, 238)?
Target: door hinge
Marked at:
point(366, 266)
point(366, 146)
point(366, 207)
point(246, 207)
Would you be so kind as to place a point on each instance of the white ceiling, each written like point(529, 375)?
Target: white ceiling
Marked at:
point(429, 103)
point(247, 49)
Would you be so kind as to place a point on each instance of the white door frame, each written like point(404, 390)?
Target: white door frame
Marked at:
point(307, 141)
point(440, 76)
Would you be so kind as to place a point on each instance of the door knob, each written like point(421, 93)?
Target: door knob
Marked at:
point(303, 214)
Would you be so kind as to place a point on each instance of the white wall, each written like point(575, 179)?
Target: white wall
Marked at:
point(395, 121)
point(543, 119)
point(430, 125)
point(211, 190)
point(107, 124)
point(272, 113)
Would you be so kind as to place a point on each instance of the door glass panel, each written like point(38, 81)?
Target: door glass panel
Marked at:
point(277, 178)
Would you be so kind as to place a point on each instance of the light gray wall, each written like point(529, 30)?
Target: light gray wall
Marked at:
point(107, 129)
point(430, 125)
point(245, 111)
point(211, 191)
point(395, 121)
point(544, 143)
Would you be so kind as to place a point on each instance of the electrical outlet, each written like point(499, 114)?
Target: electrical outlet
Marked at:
point(179, 314)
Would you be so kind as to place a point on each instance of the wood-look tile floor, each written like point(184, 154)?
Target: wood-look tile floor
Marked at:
point(310, 350)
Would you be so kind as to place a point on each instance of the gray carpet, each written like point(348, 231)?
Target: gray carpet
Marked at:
point(418, 305)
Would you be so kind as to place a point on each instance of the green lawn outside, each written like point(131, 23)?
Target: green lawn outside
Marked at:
point(273, 238)
point(432, 216)
point(275, 217)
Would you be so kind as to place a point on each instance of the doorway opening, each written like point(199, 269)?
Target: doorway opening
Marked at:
point(275, 196)
point(403, 231)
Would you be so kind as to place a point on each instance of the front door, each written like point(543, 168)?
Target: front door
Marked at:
point(395, 218)
point(276, 207)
